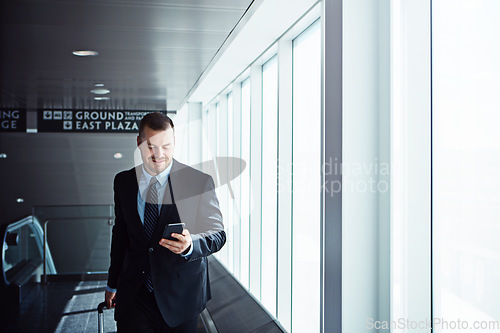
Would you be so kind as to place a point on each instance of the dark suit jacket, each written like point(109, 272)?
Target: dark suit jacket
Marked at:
point(181, 286)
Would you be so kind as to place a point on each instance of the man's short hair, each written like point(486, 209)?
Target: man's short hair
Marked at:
point(156, 121)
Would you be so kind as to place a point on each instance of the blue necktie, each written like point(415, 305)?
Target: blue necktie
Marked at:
point(151, 214)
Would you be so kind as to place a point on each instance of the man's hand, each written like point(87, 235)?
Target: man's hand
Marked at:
point(178, 247)
point(110, 297)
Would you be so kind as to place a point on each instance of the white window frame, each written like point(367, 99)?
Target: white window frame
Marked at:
point(411, 161)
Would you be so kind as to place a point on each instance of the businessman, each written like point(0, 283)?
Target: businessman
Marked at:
point(161, 285)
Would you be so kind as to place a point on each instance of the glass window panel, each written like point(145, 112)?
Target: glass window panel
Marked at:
point(306, 181)
point(204, 134)
point(236, 183)
point(220, 137)
point(245, 183)
point(230, 200)
point(466, 162)
point(269, 183)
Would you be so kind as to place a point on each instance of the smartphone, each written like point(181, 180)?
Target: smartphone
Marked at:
point(176, 228)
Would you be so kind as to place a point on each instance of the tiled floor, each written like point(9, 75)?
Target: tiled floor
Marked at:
point(72, 307)
point(80, 313)
point(61, 307)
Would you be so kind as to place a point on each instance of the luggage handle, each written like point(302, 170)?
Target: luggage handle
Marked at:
point(100, 319)
point(102, 306)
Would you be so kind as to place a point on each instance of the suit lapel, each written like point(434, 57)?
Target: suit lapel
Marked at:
point(166, 196)
point(166, 206)
point(186, 203)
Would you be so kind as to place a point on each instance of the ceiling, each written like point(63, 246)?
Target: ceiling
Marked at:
point(151, 53)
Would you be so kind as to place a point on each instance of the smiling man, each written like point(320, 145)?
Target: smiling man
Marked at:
point(161, 285)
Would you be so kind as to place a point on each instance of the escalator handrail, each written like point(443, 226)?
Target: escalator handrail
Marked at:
point(35, 226)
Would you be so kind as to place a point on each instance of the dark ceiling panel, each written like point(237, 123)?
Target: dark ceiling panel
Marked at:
point(154, 50)
point(214, 4)
point(47, 38)
point(127, 15)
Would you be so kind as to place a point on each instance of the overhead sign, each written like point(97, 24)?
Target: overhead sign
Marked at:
point(50, 120)
point(12, 120)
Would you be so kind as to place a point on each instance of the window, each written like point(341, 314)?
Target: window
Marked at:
point(269, 183)
point(265, 120)
point(245, 184)
point(466, 160)
point(230, 215)
point(306, 181)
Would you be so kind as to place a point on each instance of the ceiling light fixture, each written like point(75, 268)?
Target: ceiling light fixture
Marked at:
point(20, 200)
point(118, 156)
point(99, 84)
point(100, 91)
point(101, 98)
point(85, 53)
point(3, 155)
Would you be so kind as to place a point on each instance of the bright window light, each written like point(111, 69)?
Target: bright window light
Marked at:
point(306, 173)
point(245, 183)
point(466, 162)
point(269, 183)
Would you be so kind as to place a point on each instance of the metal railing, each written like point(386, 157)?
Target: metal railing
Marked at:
point(79, 237)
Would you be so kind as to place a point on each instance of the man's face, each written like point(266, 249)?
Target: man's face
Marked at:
point(157, 149)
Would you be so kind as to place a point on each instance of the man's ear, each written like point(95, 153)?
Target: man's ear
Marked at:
point(138, 140)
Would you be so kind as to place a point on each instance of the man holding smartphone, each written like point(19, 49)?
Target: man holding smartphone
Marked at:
point(161, 284)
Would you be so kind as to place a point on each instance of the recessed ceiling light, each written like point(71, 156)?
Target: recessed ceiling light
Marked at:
point(118, 156)
point(3, 155)
point(100, 91)
point(101, 98)
point(20, 200)
point(85, 53)
point(99, 84)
